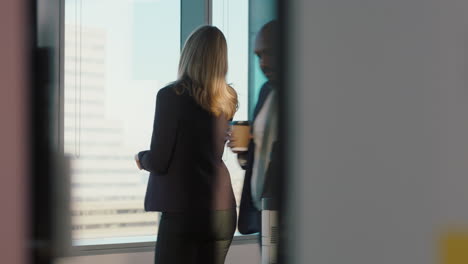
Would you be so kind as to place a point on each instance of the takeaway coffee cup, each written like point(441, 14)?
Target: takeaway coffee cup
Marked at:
point(241, 135)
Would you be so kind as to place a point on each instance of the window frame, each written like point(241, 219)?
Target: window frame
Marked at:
point(200, 13)
point(143, 246)
point(114, 247)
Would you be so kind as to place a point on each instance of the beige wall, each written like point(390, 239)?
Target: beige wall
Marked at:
point(13, 165)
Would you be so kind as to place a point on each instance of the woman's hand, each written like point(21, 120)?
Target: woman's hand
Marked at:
point(137, 161)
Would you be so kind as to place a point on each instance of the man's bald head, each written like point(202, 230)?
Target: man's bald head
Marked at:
point(266, 49)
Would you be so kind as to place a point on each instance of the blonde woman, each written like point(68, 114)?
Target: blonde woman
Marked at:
point(189, 182)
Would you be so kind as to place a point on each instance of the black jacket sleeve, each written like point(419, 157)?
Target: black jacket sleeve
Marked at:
point(163, 140)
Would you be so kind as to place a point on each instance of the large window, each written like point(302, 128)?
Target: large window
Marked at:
point(231, 17)
point(118, 54)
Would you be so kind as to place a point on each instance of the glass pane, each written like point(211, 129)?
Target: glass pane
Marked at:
point(118, 53)
point(262, 12)
point(231, 17)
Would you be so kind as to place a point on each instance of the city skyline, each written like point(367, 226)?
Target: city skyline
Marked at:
point(109, 113)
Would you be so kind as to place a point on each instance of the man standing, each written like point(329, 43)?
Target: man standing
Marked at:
point(260, 161)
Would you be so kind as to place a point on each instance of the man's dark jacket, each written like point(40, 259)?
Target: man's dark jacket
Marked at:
point(249, 216)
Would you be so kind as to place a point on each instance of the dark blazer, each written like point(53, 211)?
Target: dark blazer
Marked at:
point(185, 158)
point(249, 216)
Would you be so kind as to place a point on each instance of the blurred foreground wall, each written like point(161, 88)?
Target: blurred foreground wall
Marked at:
point(13, 135)
point(379, 145)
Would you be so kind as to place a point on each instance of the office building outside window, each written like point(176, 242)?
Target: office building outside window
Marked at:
point(116, 60)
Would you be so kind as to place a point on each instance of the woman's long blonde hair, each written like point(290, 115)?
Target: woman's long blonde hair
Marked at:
point(202, 72)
